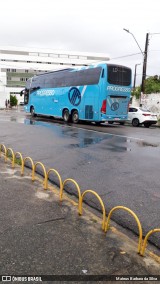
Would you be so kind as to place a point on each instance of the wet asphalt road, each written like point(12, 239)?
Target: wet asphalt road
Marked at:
point(121, 163)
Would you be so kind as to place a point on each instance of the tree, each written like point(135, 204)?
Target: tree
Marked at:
point(13, 101)
point(151, 85)
point(137, 92)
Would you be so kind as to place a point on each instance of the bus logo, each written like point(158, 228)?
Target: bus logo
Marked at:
point(74, 96)
point(114, 106)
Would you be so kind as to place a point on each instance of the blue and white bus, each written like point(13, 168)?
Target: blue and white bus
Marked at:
point(95, 93)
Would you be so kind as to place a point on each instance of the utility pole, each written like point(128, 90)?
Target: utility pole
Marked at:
point(144, 65)
point(144, 61)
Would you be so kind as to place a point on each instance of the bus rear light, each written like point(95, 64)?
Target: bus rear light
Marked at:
point(104, 105)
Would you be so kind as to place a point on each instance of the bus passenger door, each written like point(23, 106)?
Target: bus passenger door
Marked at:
point(91, 103)
point(57, 101)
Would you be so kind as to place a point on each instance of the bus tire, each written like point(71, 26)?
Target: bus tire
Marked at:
point(75, 116)
point(33, 112)
point(66, 115)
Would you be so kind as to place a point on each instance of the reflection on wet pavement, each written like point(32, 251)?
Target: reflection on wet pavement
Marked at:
point(83, 138)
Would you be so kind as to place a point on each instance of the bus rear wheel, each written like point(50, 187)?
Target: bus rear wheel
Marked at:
point(75, 116)
point(66, 115)
point(33, 112)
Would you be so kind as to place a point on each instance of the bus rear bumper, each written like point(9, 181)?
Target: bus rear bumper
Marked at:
point(114, 118)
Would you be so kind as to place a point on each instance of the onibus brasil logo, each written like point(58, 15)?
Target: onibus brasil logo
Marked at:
point(74, 96)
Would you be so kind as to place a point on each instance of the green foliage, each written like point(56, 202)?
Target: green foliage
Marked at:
point(136, 92)
point(151, 85)
point(13, 101)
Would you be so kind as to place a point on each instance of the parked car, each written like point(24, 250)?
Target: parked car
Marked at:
point(139, 115)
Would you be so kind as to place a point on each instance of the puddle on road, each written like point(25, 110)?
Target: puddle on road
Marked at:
point(83, 138)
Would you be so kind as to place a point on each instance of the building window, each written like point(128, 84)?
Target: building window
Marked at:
point(43, 54)
point(63, 55)
point(23, 79)
point(33, 53)
point(13, 70)
point(83, 57)
point(73, 56)
point(53, 55)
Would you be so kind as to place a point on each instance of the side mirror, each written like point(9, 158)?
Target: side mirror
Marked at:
point(23, 92)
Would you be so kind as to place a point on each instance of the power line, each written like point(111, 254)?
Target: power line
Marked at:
point(125, 56)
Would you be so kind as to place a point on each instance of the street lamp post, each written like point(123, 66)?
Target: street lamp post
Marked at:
point(134, 39)
point(144, 60)
point(135, 74)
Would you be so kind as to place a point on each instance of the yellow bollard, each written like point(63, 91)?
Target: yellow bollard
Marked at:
point(146, 238)
point(59, 177)
point(78, 189)
point(101, 202)
point(45, 174)
point(32, 164)
point(136, 218)
point(13, 156)
point(22, 161)
point(2, 146)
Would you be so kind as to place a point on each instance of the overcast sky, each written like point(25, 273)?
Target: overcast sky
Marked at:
point(86, 26)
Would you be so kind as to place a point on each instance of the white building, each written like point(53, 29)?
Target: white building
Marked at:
point(18, 64)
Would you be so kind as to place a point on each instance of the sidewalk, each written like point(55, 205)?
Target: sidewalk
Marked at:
point(41, 236)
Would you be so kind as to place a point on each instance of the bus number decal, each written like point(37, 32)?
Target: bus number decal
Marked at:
point(74, 96)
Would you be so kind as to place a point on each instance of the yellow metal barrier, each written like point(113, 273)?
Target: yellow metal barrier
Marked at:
point(146, 238)
point(78, 189)
point(45, 174)
point(22, 161)
point(32, 164)
point(101, 202)
point(136, 218)
point(59, 177)
point(105, 224)
point(13, 156)
point(2, 146)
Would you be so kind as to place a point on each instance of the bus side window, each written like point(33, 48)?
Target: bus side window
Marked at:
point(102, 76)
